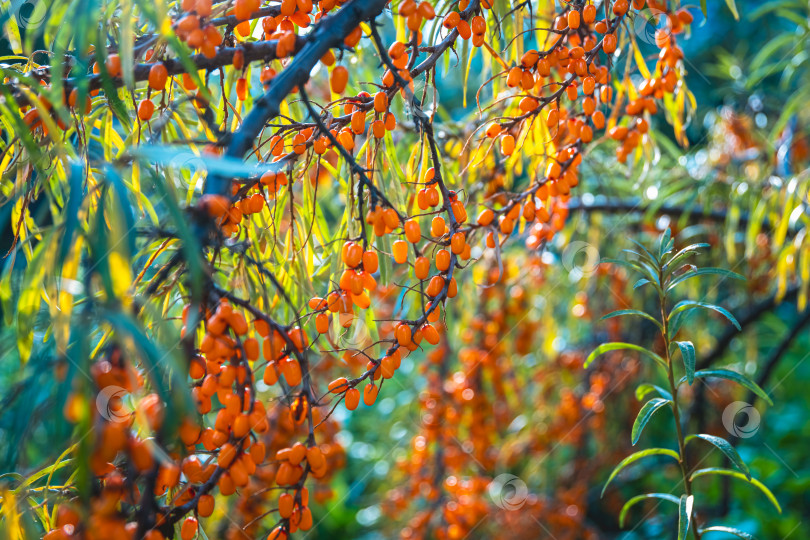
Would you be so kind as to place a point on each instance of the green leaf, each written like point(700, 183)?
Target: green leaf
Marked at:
point(653, 259)
point(684, 305)
point(703, 7)
point(685, 515)
point(725, 447)
point(646, 389)
point(702, 272)
point(741, 476)
point(732, 376)
point(622, 312)
point(71, 211)
point(688, 354)
point(640, 283)
point(730, 530)
point(666, 244)
point(638, 498)
point(638, 266)
point(732, 5)
point(616, 345)
point(632, 458)
point(644, 415)
point(686, 252)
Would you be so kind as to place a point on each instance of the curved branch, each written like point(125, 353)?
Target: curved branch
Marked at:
point(328, 34)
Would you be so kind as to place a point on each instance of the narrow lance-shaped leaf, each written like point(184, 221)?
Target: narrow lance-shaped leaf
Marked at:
point(684, 305)
point(646, 389)
point(725, 447)
point(732, 376)
point(639, 498)
point(703, 272)
point(741, 476)
point(686, 252)
point(617, 345)
point(688, 354)
point(728, 530)
point(685, 515)
point(666, 243)
point(644, 415)
point(632, 458)
point(623, 312)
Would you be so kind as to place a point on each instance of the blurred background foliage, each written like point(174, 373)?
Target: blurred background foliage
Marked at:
point(748, 153)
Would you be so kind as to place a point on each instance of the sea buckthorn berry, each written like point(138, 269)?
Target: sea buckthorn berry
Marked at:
point(508, 144)
point(589, 14)
point(214, 205)
point(451, 20)
point(464, 30)
point(338, 385)
point(431, 334)
point(478, 25)
point(588, 86)
point(513, 77)
point(459, 212)
point(437, 226)
point(485, 217)
point(609, 44)
point(189, 529)
point(352, 398)
point(370, 394)
point(403, 334)
point(339, 79)
point(391, 218)
point(457, 242)
point(285, 505)
point(412, 231)
point(241, 89)
point(400, 249)
point(442, 260)
point(113, 65)
point(380, 102)
point(396, 50)
point(421, 267)
point(146, 109)
point(434, 287)
point(425, 9)
point(573, 19)
point(322, 323)
point(158, 76)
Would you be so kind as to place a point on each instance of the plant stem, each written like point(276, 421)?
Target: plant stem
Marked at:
point(675, 408)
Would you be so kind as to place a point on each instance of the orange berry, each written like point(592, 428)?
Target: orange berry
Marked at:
point(158, 76)
point(573, 19)
point(352, 398)
point(421, 267)
point(370, 394)
point(400, 249)
point(339, 79)
point(189, 529)
point(442, 260)
point(146, 109)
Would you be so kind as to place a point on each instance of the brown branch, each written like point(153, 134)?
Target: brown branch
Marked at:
point(329, 33)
